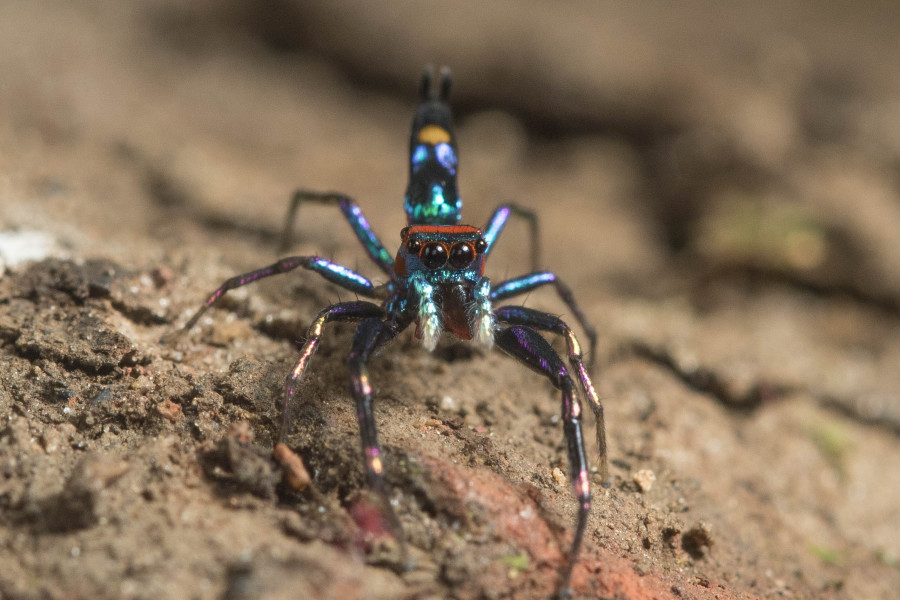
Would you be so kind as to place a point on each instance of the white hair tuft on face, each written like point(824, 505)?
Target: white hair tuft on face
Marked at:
point(429, 316)
point(481, 317)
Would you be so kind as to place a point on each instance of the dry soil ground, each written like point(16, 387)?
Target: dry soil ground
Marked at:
point(719, 185)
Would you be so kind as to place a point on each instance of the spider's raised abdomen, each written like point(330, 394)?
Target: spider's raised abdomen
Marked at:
point(431, 196)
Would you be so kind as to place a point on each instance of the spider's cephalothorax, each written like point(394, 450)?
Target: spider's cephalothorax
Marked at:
point(436, 281)
point(442, 268)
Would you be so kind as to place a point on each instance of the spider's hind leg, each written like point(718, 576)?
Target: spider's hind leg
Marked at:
point(529, 348)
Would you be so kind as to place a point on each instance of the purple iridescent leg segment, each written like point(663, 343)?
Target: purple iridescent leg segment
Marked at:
point(498, 221)
point(371, 335)
point(374, 248)
point(344, 311)
point(526, 283)
point(528, 347)
point(520, 315)
point(333, 272)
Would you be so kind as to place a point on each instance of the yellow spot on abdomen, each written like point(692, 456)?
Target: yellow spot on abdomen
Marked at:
point(433, 134)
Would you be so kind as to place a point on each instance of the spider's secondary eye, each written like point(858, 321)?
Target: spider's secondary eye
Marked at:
point(462, 255)
point(413, 246)
point(480, 245)
point(434, 255)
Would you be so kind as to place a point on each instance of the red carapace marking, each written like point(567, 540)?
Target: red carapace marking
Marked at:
point(447, 229)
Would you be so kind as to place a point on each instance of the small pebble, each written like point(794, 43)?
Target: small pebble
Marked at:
point(293, 471)
point(169, 410)
point(559, 476)
point(644, 479)
point(162, 275)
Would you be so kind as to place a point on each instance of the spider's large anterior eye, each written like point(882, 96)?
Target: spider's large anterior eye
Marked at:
point(462, 255)
point(433, 255)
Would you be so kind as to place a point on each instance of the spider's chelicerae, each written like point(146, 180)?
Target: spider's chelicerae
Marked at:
point(436, 280)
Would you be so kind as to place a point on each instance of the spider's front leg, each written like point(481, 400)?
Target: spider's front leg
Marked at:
point(521, 315)
point(342, 311)
point(371, 335)
point(358, 222)
point(528, 347)
point(526, 283)
point(331, 271)
point(498, 221)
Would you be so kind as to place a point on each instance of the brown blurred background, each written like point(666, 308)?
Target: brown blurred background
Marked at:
point(719, 182)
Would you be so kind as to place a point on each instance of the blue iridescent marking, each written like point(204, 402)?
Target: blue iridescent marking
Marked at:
point(520, 285)
point(437, 208)
point(419, 156)
point(413, 213)
point(368, 237)
point(437, 198)
point(341, 273)
point(496, 226)
point(439, 276)
point(446, 156)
